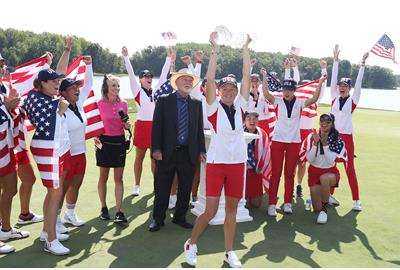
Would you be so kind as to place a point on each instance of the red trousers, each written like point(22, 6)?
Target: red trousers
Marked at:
point(279, 152)
point(350, 170)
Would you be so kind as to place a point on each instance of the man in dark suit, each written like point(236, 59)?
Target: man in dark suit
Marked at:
point(177, 145)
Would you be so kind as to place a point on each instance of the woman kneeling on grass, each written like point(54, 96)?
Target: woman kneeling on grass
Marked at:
point(323, 150)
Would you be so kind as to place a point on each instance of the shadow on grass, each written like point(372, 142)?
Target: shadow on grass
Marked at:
point(141, 248)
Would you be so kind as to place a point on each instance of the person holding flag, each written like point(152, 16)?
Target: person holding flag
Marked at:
point(343, 106)
point(307, 114)
point(24, 167)
point(286, 138)
point(144, 97)
point(258, 161)
point(76, 122)
point(50, 148)
point(8, 172)
point(323, 149)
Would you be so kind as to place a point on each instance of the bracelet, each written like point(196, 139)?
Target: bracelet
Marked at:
point(67, 49)
point(199, 62)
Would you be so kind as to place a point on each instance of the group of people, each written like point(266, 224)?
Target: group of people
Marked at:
point(171, 126)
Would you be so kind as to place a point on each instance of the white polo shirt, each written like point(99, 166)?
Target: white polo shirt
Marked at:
point(343, 117)
point(227, 146)
point(287, 130)
point(145, 104)
point(259, 106)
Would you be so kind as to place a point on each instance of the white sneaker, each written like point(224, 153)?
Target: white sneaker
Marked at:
point(136, 190)
point(31, 218)
point(13, 234)
point(322, 217)
point(56, 248)
point(287, 208)
point(4, 248)
point(60, 227)
point(232, 260)
point(73, 219)
point(272, 210)
point(60, 236)
point(190, 253)
point(357, 205)
point(172, 201)
point(308, 204)
point(332, 201)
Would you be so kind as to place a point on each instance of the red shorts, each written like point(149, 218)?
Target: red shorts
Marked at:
point(254, 186)
point(22, 157)
point(227, 176)
point(77, 166)
point(142, 134)
point(304, 133)
point(315, 173)
point(63, 165)
point(11, 166)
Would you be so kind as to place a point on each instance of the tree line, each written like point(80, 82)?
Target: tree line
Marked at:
point(21, 46)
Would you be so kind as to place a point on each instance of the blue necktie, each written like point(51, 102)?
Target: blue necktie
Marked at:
point(183, 120)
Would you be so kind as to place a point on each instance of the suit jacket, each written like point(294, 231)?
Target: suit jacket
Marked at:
point(165, 127)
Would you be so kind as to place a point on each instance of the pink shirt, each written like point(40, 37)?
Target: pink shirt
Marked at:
point(110, 115)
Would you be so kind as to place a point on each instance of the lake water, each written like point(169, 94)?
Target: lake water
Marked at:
point(370, 98)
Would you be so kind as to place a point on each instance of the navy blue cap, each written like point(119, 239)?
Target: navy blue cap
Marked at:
point(228, 80)
point(145, 73)
point(67, 82)
point(48, 75)
point(289, 85)
point(346, 81)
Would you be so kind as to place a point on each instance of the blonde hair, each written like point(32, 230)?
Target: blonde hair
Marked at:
point(104, 86)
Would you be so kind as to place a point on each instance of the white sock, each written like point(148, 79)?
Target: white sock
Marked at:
point(70, 209)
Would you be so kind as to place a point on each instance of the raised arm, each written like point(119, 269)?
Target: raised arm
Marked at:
point(135, 86)
point(317, 92)
point(323, 66)
point(357, 86)
point(286, 66)
point(62, 64)
point(212, 68)
point(266, 92)
point(88, 79)
point(245, 85)
point(335, 70)
point(199, 61)
point(295, 66)
point(195, 93)
point(171, 56)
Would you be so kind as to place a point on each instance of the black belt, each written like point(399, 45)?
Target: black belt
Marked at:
point(180, 147)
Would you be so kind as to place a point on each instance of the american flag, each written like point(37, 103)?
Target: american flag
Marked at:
point(168, 35)
point(262, 155)
point(164, 89)
point(5, 126)
point(46, 146)
point(24, 75)
point(22, 80)
point(385, 48)
point(294, 51)
point(305, 91)
point(95, 126)
point(274, 85)
point(336, 146)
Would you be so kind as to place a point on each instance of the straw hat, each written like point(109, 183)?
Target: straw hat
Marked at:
point(183, 72)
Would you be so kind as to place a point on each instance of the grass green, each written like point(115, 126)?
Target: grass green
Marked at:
point(367, 239)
